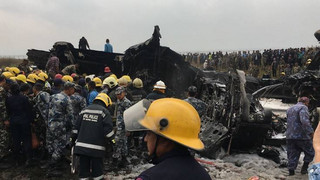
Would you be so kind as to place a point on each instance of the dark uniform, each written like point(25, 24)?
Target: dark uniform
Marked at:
point(20, 113)
point(155, 95)
point(4, 133)
point(138, 94)
point(176, 164)
point(93, 126)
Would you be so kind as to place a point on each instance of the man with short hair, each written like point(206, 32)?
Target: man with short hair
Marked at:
point(198, 104)
point(120, 148)
point(299, 136)
point(108, 47)
point(92, 92)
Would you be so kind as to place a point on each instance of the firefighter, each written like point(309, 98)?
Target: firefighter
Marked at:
point(138, 92)
point(169, 135)
point(93, 128)
point(158, 92)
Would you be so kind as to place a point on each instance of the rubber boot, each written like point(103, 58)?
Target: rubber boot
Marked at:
point(304, 169)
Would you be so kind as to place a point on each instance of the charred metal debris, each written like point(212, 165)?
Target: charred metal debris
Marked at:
point(235, 120)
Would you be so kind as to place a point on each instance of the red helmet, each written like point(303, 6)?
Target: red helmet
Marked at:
point(74, 75)
point(58, 76)
point(107, 69)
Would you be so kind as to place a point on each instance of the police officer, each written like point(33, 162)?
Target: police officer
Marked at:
point(120, 149)
point(158, 92)
point(92, 129)
point(78, 103)
point(40, 105)
point(60, 118)
point(169, 135)
point(299, 136)
point(20, 113)
point(198, 104)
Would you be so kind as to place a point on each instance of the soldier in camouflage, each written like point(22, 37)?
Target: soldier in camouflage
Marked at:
point(199, 105)
point(40, 105)
point(60, 118)
point(120, 149)
point(78, 103)
point(4, 131)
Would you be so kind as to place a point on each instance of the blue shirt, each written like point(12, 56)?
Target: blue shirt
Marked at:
point(91, 96)
point(298, 124)
point(108, 48)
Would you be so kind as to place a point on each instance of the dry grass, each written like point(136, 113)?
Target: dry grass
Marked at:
point(9, 62)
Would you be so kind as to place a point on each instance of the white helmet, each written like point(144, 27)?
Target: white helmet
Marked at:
point(159, 85)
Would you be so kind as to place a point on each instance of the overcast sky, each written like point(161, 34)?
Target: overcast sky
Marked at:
point(185, 25)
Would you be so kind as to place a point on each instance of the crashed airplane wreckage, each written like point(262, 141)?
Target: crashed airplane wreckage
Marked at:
point(234, 120)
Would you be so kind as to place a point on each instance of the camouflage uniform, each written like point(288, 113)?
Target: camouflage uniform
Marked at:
point(60, 118)
point(198, 104)
point(40, 105)
point(298, 135)
point(120, 148)
point(78, 104)
point(4, 132)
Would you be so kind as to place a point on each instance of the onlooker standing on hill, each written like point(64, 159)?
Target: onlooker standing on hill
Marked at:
point(108, 47)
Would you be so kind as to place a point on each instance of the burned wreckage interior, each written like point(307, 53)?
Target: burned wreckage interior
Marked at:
point(235, 121)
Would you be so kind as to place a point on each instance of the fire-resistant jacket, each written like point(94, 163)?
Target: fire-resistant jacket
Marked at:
point(93, 127)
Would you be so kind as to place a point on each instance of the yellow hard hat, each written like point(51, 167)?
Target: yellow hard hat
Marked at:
point(43, 76)
point(104, 98)
point(114, 76)
point(32, 78)
point(123, 82)
point(164, 118)
point(13, 78)
point(283, 73)
point(66, 78)
point(137, 83)
point(8, 74)
point(22, 78)
point(97, 81)
point(14, 70)
point(110, 81)
point(129, 80)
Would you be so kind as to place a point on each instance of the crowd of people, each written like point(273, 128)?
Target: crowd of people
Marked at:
point(272, 62)
point(45, 112)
